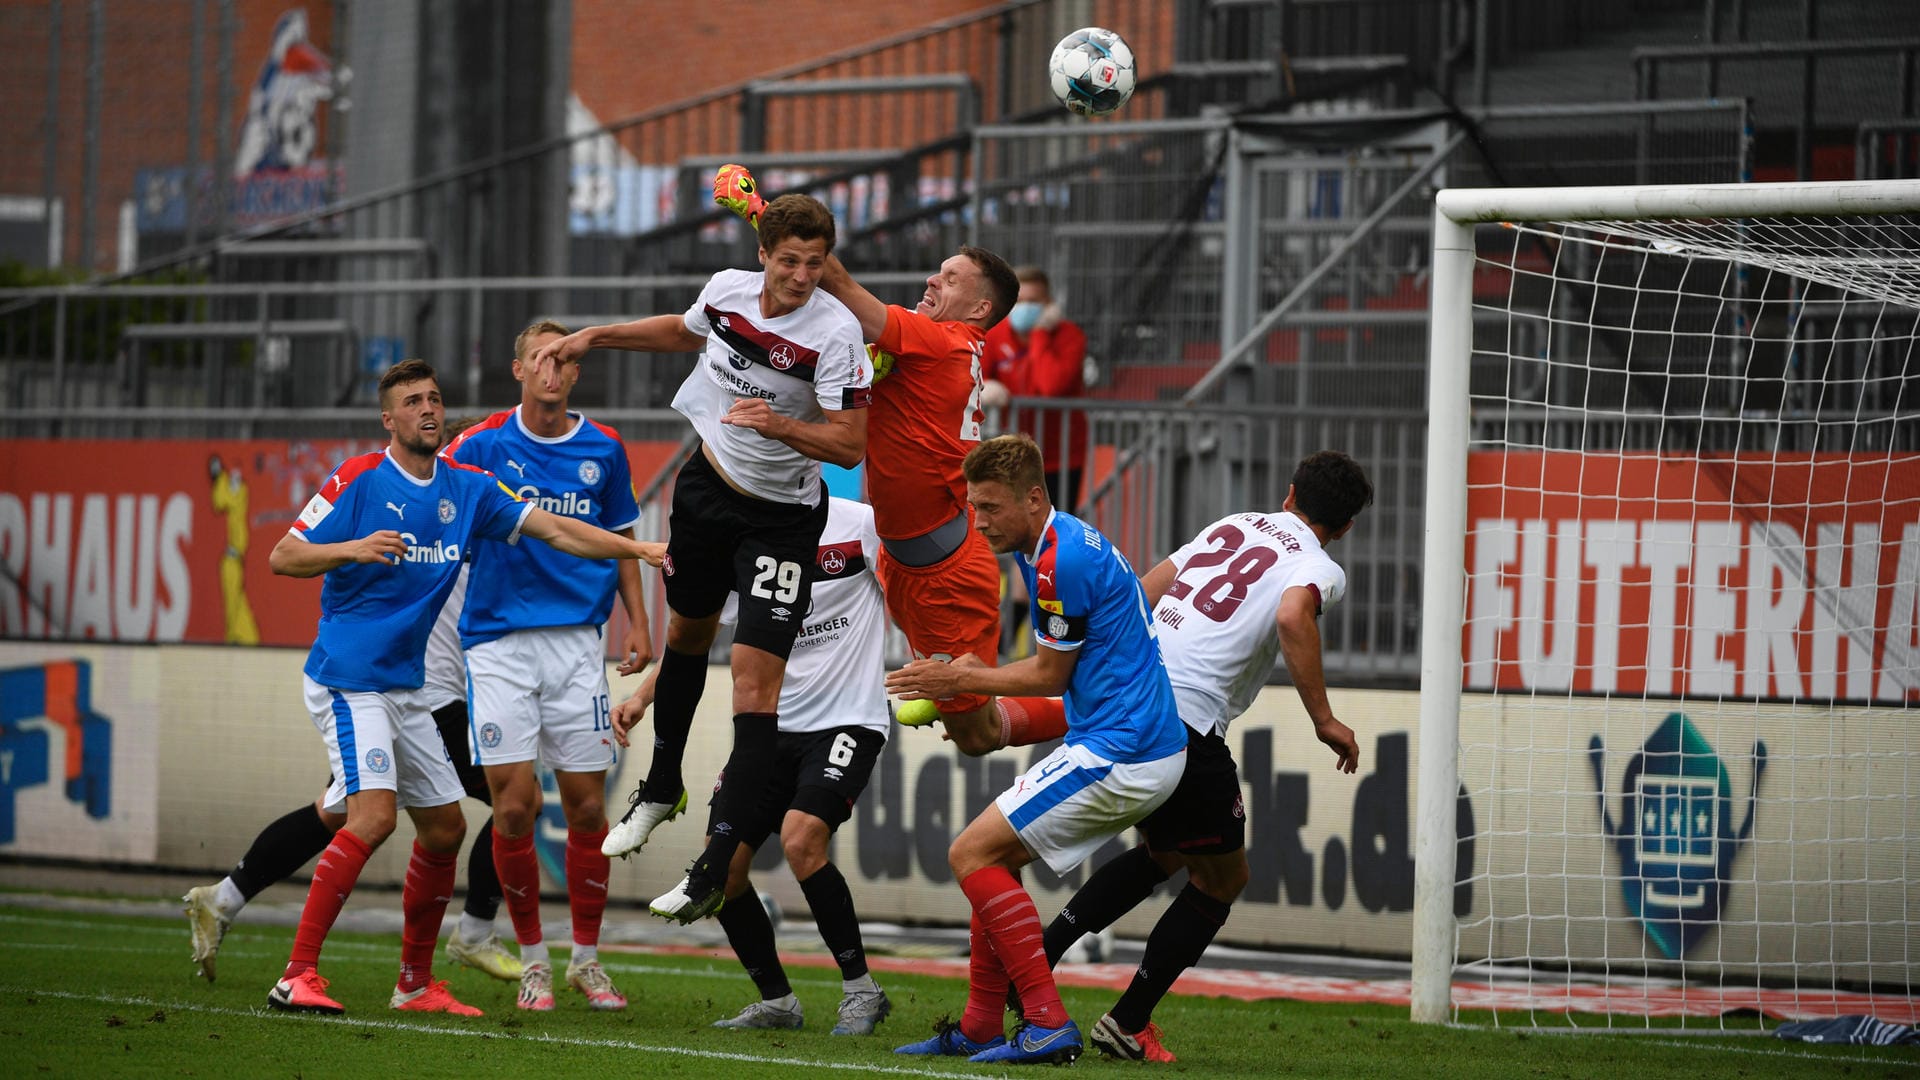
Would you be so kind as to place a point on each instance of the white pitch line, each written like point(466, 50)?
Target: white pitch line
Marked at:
point(491, 1033)
point(388, 954)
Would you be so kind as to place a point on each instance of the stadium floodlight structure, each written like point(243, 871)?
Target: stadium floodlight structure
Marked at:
point(1669, 752)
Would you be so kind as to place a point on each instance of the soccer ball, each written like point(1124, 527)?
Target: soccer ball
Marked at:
point(1091, 71)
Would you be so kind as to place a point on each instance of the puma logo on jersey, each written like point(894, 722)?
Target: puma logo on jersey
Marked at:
point(400, 509)
point(1044, 575)
point(517, 467)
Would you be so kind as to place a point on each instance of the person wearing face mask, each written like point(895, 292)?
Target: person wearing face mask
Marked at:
point(1037, 352)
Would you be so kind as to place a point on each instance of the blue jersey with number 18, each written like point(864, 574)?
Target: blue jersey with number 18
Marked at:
point(1085, 598)
point(581, 474)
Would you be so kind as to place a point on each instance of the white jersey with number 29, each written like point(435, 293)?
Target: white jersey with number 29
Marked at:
point(1217, 622)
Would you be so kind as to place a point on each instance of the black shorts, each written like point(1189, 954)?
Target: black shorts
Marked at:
point(720, 541)
point(1205, 815)
point(451, 719)
point(815, 772)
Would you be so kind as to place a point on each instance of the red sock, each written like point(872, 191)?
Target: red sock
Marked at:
point(519, 871)
point(1028, 720)
point(1012, 924)
point(986, 990)
point(424, 901)
point(586, 884)
point(333, 879)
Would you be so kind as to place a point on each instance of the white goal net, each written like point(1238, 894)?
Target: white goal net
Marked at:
point(1670, 704)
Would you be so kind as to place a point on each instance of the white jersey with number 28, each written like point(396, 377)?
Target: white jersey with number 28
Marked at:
point(1217, 621)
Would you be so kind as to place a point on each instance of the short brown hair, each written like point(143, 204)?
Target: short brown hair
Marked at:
point(535, 329)
point(404, 372)
point(1330, 488)
point(1013, 460)
point(795, 217)
point(1003, 288)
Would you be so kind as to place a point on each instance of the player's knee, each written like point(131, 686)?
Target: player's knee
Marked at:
point(587, 815)
point(1223, 879)
point(441, 833)
point(805, 852)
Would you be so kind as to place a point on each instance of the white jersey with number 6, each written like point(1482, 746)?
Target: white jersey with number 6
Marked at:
point(836, 676)
point(1217, 623)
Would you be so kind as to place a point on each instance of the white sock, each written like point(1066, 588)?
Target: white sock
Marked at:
point(473, 930)
point(786, 1004)
point(228, 898)
point(535, 953)
point(583, 954)
point(862, 985)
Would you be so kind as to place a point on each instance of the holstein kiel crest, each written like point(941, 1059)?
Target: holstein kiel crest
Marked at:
point(1676, 837)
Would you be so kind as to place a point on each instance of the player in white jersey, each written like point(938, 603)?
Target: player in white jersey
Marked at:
point(783, 384)
point(1250, 586)
point(833, 724)
point(536, 661)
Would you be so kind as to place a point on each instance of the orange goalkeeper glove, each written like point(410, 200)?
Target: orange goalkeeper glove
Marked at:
point(733, 188)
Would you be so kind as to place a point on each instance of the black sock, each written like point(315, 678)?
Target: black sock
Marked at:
point(748, 771)
point(1175, 945)
point(1113, 890)
point(832, 904)
point(280, 849)
point(750, 933)
point(676, 693)
point(483, 883)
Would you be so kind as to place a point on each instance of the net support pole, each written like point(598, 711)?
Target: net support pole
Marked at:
point(1443, 602)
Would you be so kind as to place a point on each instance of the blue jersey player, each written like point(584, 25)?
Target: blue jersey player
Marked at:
point(1124, 752)
point(388, 531)
point(536, 664)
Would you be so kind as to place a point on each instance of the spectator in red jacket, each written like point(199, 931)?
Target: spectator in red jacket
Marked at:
point(1036, 352)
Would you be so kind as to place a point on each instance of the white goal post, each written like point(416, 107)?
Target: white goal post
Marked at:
point(1670, 646)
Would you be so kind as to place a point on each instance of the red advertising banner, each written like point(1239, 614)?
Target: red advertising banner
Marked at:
point(1781, 576)
point(167, 540)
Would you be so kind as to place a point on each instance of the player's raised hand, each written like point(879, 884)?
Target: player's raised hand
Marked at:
point(384, 546)
point(734, 189)
point(546, 360)
point(1339, 738)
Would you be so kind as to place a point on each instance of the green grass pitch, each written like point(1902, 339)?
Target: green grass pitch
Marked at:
point(106, 996)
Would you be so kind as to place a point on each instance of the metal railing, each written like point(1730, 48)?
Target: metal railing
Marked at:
point(1761, 64)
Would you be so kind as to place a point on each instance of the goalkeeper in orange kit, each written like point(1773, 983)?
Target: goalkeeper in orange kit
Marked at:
point(941, 579)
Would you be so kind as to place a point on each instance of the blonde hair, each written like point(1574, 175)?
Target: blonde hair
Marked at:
point(1013, 460)
point(534, 330)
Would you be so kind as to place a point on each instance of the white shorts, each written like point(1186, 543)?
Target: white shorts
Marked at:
point(541, 693)
point(382, 741)
point(1073, 800)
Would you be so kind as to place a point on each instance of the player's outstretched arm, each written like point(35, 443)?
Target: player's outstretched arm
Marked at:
point(865, 306)
point(576, 537)
point(655, 333)
point(1044, 674)
point(294, 556)
point(1300, 646)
